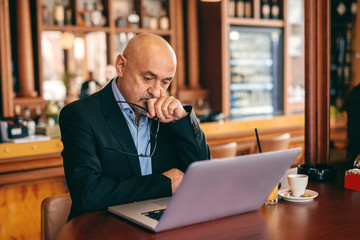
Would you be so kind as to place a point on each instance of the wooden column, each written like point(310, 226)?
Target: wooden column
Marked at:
point(25, 50)
point(6, 80)
point(177, 41)
point(317, 80)
point(193, 44)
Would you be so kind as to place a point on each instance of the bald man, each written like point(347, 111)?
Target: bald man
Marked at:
point(130, 142)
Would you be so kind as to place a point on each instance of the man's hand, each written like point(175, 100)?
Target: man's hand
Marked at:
point(175, 176)
point(166, 109)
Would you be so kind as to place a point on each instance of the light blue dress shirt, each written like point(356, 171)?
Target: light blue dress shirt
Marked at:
point(140, 131)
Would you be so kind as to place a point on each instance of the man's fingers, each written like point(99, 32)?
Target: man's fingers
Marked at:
point(176, 176)
point(166, 109)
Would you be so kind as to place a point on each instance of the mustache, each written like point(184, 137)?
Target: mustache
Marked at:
point(146, 97)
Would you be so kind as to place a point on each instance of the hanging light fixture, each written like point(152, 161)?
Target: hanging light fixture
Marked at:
point(67, 40)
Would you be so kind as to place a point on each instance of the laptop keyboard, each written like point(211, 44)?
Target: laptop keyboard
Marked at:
point(155, 214)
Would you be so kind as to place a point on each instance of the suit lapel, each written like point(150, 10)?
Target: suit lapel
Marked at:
point(116, 122)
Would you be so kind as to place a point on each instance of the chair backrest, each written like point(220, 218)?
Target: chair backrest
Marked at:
point(275, 143)
point(54, 213)
point(223, 150)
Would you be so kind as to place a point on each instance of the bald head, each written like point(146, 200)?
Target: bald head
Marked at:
point(146, 69)
point(147, 45)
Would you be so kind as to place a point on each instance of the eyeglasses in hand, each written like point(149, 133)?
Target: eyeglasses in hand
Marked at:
point(152, 133)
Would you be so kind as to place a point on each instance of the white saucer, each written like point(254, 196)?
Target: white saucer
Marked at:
point(284, 193)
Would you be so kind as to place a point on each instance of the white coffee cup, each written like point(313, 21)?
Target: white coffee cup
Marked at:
point(297, 183)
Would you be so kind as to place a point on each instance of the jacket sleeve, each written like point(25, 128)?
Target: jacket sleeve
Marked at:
point(190, 139)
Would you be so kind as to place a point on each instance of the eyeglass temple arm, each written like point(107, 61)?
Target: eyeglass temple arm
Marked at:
point(132, 154)
point(155, 117)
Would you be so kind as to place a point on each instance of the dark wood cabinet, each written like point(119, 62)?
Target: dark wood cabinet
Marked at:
point(216, 25)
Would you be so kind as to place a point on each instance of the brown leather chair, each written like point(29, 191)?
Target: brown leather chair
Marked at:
point(223, 150)
point(54, 213)
point(274, 143)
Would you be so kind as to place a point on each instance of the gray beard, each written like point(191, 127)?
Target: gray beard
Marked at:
point(140, 110)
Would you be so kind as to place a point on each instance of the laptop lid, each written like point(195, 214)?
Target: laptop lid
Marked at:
point(213, 189)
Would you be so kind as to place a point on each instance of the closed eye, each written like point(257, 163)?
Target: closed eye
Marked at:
point(166, 83)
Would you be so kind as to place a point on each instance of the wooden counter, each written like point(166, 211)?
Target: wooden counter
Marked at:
point(21, 162)
point(36, 160)
point(29, 172)
point(242, 132)
point(11, 150)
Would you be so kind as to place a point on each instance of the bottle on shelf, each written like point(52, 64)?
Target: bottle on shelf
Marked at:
point(68, 14)
point(275, 9)
point(231, 8)
point(164, 20)
point(133, 19)
point(120, 20)
point(103, 15)
point(353, 7)
point(341, 10)
point(27, 113)
point(59, 13)
point(52, 113)
point(146, 19)
point(28, 121)
point(19, 120)
point(15, 126)
point(85, 16)
point(38, 114)
point(96, 15)
point(248, 9)
point(153, 21)
point(46, 14)
point(265, 9)
point(240, 8)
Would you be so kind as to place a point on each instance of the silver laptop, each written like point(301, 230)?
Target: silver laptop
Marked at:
point(213, 189)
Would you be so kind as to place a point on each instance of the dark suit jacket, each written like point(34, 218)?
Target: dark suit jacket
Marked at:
point(352, 106)
point(98, 177)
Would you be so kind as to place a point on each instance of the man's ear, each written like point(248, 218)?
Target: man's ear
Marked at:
point(120, 65)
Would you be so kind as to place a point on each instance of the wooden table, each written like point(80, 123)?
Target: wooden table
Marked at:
point(334, 214)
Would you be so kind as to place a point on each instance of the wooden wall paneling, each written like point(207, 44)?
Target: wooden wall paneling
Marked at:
point(317, 80)
point(38, 58)
point(20, 203)
point(177, 41)
point(110, 37)
point(33, 175)
point(210, 51)
point(193, 44)
point(286, 61)
point(6, 79)
point(225, 78)
point(26, 163)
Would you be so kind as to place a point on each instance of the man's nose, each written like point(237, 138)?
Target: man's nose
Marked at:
point(155, 89)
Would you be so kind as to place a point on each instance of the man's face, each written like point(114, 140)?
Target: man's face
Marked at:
point(145, 77)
